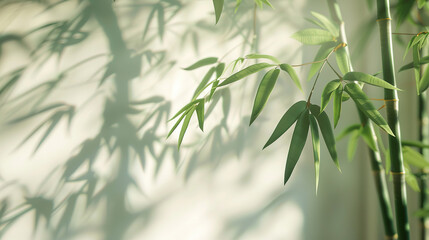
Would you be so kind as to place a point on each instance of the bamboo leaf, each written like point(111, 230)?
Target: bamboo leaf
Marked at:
point(342, 60)
point(347, 131)
point(177, 123)
point(423, 60)
point(267, 3)
point(185, 125)
point(351, 147)
point(369, 79)
point(245, 72)
point(218, 7)
point(263, 56)
point(414, 158)
point(313, 36)
point(219, 70)
point(202, 63)
point(327, 132)
point(368, 138)
point(410, 179)
point(316, 147)
point(213, 89)
point(328, 91)
point(363, 103)
point(414, 144)
point(416, 60)
point(337, 104)
point(264, 90)
point(289, 69)
point(203, 82)
point(186, 107)
point(328, 25)
point(161, 21)
point(321, 54)
point(297, 143)
point(424, 82)
point(237, 5)
point(421, 3)
point(200, 114)
point(287, 121)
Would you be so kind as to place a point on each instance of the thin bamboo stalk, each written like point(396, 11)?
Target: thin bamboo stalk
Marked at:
point(375, 158)
point(392, 108)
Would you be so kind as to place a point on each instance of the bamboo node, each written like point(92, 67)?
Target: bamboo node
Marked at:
point(384, 19)
point(391, 237)
point(397, 173)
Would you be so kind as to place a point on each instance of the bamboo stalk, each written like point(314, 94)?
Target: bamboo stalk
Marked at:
point(392, 108)
point(424, 138)
point(375, 158)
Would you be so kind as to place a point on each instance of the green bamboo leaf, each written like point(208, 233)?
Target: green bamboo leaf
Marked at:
point(244, 73)
point(177, 123)
point(263, 56)
point(409, 46)
point(219, 70)
point(201, 63)
point(327, 24)
point(328, 91)
point(416, 60)
point(289, 69)
point(368, 138)
point(213, 89)
point(316, 147)
point(352, 146)
point(321, 54)
point(185, 125)
point(327, 132)
point(218, 7)
point(264, 90)
point(267, 3)
point(414, 158)
point(363, 103)
point(313, 36)
point(421, 3)
point(203, 82)
point(414, 144)
point(200, 114)
point(342, 60)
point(237, 5)
point(287, 121)
point(369, 79)
point(347, 131)
point(338, 93)
point(424, 82)
point(410, 179)
point(423, 60)
point(186, 107)
point(297, 143)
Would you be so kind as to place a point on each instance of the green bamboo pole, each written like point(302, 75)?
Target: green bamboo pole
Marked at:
point(392, 108)
point(424, 138)
point(375, 158)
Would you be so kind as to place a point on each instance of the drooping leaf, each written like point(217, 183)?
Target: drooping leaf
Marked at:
point(327, 132)
point(297, 143)
point(364, 104)
point(185, 125)
point(338, 93)
point(263, 56)
point(186, 107)
point(369, 79)
point(218, 7)
point(245, 72)
point(410, 179)
point(203, 82)
point(414, 144)
point(264, 90)
point(200, 114)
point(201, 63)
point(316, 147)
point(414, 158)
point(287, 121)
point(351, 147)
point(416, 60)
point(342, 60)
point(348, 130)
point(327, 92)
point(213, 89)
point(289, 69)
point(327, 24)
point(368, 137)
point(313, 36)
point(424, 82)
point(178, 122)
point(321, 54)
point(423, 60)
point(219, 70)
